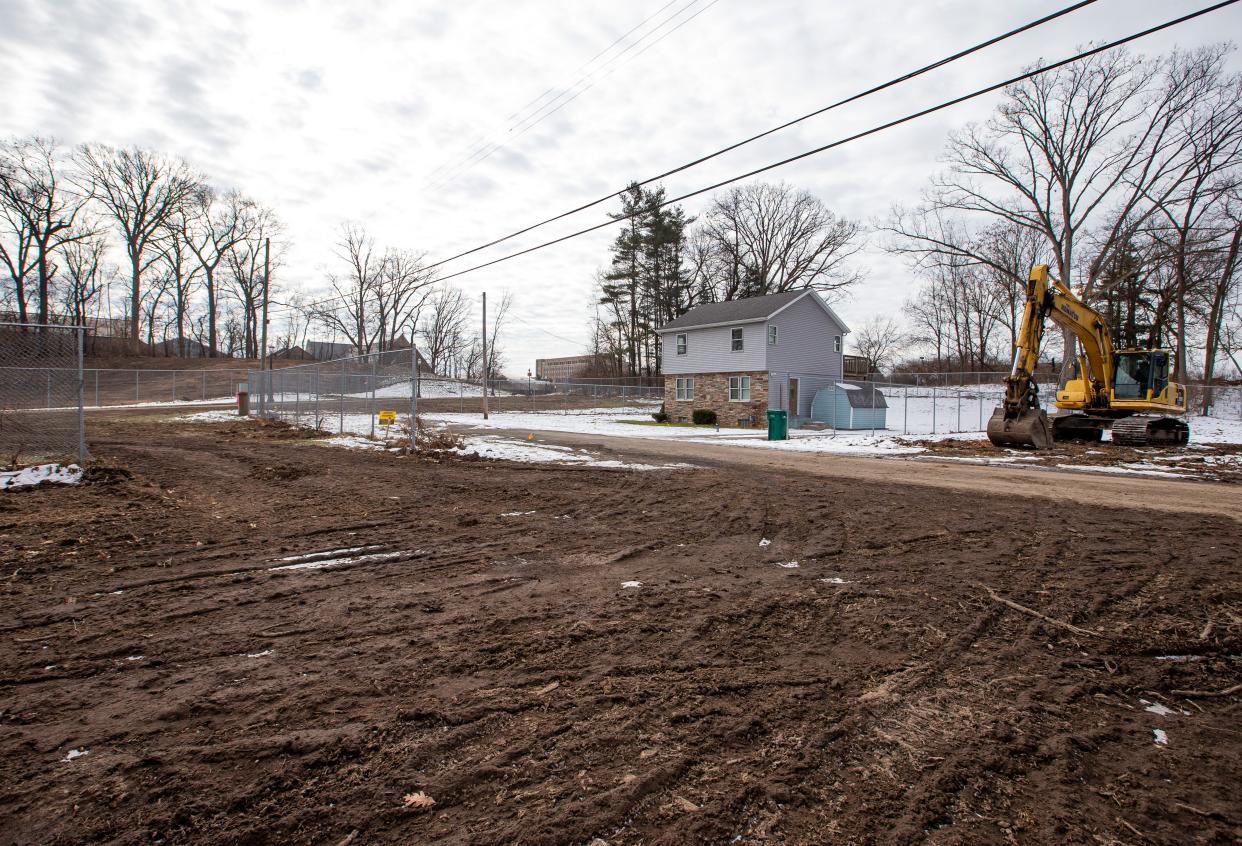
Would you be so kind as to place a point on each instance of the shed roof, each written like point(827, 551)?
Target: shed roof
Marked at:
point(863, 396)
point(734, 311)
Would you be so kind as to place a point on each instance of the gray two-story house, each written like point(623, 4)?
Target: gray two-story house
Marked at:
point(742, 357)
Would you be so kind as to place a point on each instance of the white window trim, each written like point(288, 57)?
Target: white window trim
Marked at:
point(836, 343)
point(772, 336)
point(682, 342)
point(742, 390)
point(740, 339)
point(684, 390)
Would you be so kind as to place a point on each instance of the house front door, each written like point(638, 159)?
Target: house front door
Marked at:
point(793, 396)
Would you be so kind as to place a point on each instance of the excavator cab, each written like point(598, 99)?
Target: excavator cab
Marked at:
point(1140, 374)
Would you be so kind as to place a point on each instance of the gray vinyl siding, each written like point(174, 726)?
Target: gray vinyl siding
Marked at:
point(804, 334)
point(808, 384)
point(709, 350)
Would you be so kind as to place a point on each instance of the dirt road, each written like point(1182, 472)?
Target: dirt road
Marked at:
point(241, 637)
point(1085, 488)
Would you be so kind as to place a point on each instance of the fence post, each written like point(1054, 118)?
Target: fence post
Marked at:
point(137, 387)
point(174, 399)
point(81, 333)
point(873, 409)
point(341, 428)
point(372, 408)
point(317, 392)
point(96, 389)
point(49, 388)
point(205, 384)
point(413, 394)
point(959, 408)
point(905, 411)
point(933, 431)
point(981, 410)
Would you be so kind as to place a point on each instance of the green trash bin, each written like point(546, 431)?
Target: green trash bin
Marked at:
point(778, 425)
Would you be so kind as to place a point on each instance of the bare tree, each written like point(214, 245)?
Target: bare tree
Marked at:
point(179, 266)
point(142, 190)
point(347, 310)
point(401, 289)
point(767, 238)
point(443, 329)
point(879, 340)
point(38, 214)
point(245, 272)
point(211, 225)
point(85, 275)
point(1078, 150)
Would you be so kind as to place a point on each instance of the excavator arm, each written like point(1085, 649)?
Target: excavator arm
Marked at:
point(1019, 420)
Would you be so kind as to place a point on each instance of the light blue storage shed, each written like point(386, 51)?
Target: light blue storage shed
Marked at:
point(850, 405)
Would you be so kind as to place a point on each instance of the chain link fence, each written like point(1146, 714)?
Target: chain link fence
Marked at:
point(948, 405)
point(41, 393)
point(349, 395)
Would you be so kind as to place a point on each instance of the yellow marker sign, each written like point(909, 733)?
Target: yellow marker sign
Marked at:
point(387, 418)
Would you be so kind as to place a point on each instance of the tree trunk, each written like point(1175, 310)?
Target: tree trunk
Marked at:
point(135, 301)
point(210, 276)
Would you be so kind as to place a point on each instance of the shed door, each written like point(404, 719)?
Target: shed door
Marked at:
point(793, 396)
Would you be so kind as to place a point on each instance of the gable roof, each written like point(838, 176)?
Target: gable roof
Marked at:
point(733, 311)
point(745, 310)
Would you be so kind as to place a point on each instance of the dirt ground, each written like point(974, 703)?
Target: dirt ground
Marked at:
point(1212, 462)
point(468, 639)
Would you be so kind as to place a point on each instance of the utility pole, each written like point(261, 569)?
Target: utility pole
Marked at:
point(267, 254)
point(485, 355)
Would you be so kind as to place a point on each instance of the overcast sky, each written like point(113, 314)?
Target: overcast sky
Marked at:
point(352, 111)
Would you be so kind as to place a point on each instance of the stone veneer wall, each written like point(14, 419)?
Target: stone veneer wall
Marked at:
point(711, 390)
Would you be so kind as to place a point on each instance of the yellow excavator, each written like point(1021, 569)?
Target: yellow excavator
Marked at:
point(1127, 391)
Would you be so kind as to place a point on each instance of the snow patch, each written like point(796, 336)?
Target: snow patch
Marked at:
point(515, 513)
point(76, 753)
point(353, 442)
point(335, 562)
point(1160, 737)
point(1160, 710)
point(764, 542)
point(834, 580)
point(789, 565)
point(262, 654)
point(631, 584)
point(343, 551)
point(38, 474)
point(134, 657)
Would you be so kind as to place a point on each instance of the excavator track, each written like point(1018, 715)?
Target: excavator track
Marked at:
point(1149, 430)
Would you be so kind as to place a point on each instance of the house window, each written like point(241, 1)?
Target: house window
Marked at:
point(836, 343)
point(739, 389)
point(771, 336)
point(685, 389)
point(681, 345)
point(737, 339)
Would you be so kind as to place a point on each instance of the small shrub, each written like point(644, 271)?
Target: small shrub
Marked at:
point(704, 417)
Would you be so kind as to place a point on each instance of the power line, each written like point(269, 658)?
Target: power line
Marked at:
point(526, 123)
point(873, 90)
point(872, 131)
point(482, 141)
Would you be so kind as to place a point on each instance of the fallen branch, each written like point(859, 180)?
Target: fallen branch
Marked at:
point(1061, 624)
point(1229, 691)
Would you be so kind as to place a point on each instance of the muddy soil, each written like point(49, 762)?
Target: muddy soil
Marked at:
point(1212, 462)
point(233, 635)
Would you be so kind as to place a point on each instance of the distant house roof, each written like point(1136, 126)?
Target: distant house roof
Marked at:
point(329, 350)
point(745, 310)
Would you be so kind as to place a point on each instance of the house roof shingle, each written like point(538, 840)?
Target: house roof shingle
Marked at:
point(733, 311)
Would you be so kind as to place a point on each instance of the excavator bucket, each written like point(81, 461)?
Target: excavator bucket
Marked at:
point(1028, 429)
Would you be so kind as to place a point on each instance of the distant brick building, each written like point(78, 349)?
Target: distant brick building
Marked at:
point(560, 369)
